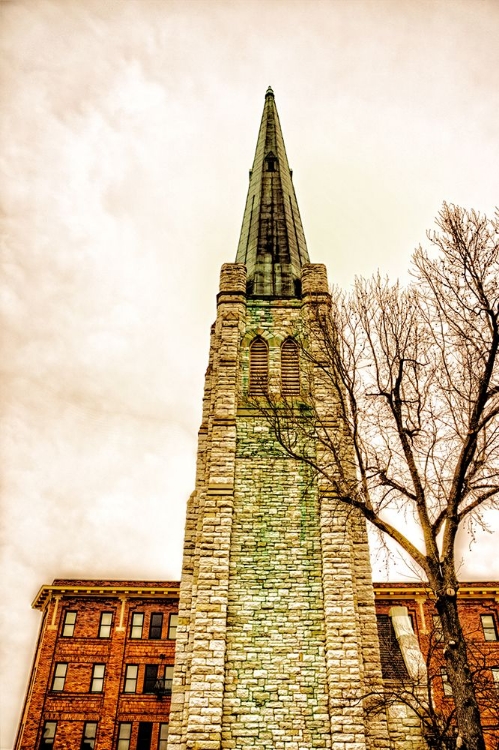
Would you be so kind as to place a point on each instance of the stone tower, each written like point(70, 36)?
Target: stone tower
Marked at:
point(277, 636)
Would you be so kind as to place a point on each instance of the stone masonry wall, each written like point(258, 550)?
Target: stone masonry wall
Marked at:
point(276, 689)
point(277, 637)
point(198, 685)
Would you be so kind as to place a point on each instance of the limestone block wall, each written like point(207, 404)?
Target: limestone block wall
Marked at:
point(195, 719)
point(276, 691)
point(277, 640)
point(405, 728)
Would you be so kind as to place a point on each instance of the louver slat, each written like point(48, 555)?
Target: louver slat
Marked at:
point(290, 369)
point(259, 368)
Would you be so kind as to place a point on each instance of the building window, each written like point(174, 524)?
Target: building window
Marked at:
point(156, 626)
point(106, 621)
point(445, 682)
point(144, 735)
point(163, 685)
point(48, 735)
point(437, 628)
point(172, 626)
point(124, 736)
point(68, 627)
point(137, 625)
point(168, 679)
point(163, 737)
point(290, 368)
point(259, 367)
point(495, 677)
point(131, 674)
point(89, 734)
point(150, 678)
point(97, 684)
point(489, 627)
point(271, 161)
point(59, 676)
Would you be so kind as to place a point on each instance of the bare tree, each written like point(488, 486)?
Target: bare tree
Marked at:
point(415, 376)
point(427, 696)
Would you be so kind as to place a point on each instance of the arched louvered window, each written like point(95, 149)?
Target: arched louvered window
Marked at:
point(290, 368)
point(259, 367)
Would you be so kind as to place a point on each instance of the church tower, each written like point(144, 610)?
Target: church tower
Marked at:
point(277, 640)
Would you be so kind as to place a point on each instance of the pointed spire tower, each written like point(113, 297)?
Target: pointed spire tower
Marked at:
point(272, 244)
point(276, 624)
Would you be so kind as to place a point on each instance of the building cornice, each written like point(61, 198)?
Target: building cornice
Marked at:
point(472, 590)
point(46, 593)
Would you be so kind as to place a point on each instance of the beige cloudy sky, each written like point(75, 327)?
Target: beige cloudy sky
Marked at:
point(127, 131)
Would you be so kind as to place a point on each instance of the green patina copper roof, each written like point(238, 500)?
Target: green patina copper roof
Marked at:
point(272, 244)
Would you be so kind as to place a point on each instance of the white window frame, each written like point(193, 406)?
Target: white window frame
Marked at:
point(68, 625)
point(98, 674)
point(137, 625)
point(59, 678)
point(124, 735)
point(131, 677)
point(489, 630)
point(105, 624)
point(172, 626)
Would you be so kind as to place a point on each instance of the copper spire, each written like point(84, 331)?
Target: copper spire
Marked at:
point(272, 244)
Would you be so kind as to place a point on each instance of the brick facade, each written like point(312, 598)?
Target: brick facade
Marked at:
point(84, 694)
point(476, 600)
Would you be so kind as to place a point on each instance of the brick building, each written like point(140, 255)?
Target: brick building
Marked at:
point(479, 613)
point(128, 628)
point(103, 667)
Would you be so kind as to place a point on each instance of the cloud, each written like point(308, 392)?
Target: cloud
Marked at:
point(127, 131)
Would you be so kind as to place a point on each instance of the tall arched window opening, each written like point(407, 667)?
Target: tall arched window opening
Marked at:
point(259, 368)
point(290, 368)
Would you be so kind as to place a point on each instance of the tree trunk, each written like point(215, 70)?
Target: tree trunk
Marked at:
point(458, 672)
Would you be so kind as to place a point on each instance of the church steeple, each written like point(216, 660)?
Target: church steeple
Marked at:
point(272, 243)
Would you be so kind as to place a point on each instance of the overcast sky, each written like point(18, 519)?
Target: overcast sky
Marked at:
point(127, 131)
